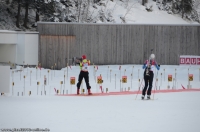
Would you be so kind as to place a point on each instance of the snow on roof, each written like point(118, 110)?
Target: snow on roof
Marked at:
point(117, 24)
point(11, 31)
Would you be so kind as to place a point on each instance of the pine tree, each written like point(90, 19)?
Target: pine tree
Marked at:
point(186, 6)
point(18, 13)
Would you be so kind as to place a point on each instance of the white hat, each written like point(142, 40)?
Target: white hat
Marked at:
point(152, 56)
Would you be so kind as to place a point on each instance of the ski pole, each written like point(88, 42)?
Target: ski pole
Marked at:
point(139, 88)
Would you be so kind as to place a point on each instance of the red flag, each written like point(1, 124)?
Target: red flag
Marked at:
point(70, 67)
point(97, 67)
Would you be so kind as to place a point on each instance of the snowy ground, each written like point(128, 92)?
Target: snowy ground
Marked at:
point(136, 13)
point(169, 112)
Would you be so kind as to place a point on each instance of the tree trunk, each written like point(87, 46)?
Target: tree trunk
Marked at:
point(18, 13)
point(37, 18)
point(7, 2)
point(88, 6)
point(79, 7)
point(144, 2)
point(26, 15)
point(182, 5)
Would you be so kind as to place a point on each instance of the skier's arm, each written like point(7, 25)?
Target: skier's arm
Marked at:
point(88, 62)
point(157, 66)
point(80, 64)
point(144, 65)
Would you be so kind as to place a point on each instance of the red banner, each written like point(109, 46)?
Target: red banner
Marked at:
point(189, 60)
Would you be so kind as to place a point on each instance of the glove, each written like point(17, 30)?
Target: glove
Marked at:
point(158, 67)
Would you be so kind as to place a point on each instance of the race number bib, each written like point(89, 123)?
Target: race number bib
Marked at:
point(152, 67)
point(85, 67)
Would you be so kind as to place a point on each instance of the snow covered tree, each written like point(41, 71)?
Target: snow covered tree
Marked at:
point(144, 2)
point(27, 2)
point(186, 6)
point(18, 13)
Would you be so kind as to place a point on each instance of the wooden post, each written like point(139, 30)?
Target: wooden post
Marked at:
point(106, 90)
point(23, 65)
point(132, 70)
point(38, 83)
point(93, 72)
point(48, 77)
point(40, 69)
point(107, 72)
point(175, 78)
point(120, 73)
point(54, 69)
point(120, 84)
point(64, 83)
point(67, 71)
point(110, 75)
point(12, 76)
point(188, 79)
point(164, 74)
point(30, 77)
point(199, 74)
point(27, 68)
point(138, 73)
point(24, 84)
point(12, 88)
point(139, 85)
point(36, 72)
point(161, 80)
point(20, 73)
point(115, 81)
point(64, 76)
point(131, 80)
point(51, 72)
point(61, 82)
point(45, 81)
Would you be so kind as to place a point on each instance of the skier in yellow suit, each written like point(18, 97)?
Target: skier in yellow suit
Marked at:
point(84, 65)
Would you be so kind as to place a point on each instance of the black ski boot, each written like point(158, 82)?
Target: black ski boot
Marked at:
point(142, 97)
point(148, 97)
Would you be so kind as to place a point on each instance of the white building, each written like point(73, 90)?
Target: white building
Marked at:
point(18, 47)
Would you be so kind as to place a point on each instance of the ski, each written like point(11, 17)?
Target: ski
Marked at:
point(149, 99)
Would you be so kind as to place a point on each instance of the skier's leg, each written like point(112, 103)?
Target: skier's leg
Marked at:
point(145, 86)
point(150, 84)
point(80, 78)
point(86, 77)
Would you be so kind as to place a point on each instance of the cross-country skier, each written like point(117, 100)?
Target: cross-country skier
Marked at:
point(84, 65)
point(149, 66)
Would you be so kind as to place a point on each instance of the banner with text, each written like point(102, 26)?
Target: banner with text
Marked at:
point(189, 60)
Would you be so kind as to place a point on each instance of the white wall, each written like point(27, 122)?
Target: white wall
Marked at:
point(20, 48)
point(26, 49)
point(8, 53)
point(4, 79)
point(8, 37)
point(31, 49)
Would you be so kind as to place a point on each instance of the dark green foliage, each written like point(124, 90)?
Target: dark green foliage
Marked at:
point(186, 6)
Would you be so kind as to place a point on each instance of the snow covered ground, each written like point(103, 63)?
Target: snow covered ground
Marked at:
point(168, 112)
point(134, 12)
